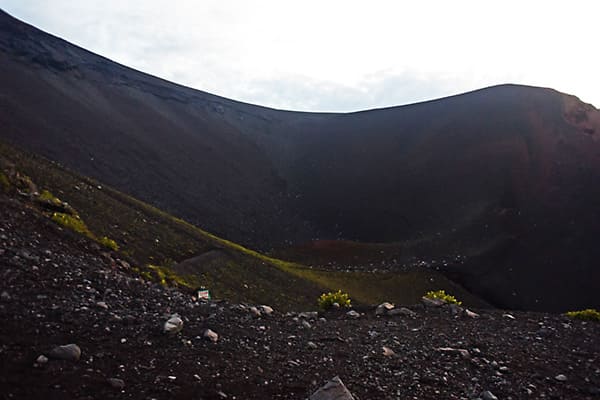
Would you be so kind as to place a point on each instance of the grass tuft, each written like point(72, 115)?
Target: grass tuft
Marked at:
point(442, 295)
point(589, 314)
point(327, 300)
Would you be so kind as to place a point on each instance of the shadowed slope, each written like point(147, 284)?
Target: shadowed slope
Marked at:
point(507, 176)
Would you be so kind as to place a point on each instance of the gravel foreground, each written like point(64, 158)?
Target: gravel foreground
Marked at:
point(60, 290)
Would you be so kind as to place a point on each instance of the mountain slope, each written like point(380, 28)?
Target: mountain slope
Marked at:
point(506, 177)
point(164, 249)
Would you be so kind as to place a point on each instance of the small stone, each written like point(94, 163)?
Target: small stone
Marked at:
point(116, 383)
point(311, 345)
point(471, 314)
point(508, 316)
point(487, 395)
point(332, 390)
point(309, 315)
point(5, 296)
point(388, 352)
point(306, 324)
point(102, 304)
point(353, 314)
point(69, 352)
point(267, 310)
point(173, 325)
point(560, 378)
point(254, 311)
point(384, 308)
point(211, 335)
point(42, 359)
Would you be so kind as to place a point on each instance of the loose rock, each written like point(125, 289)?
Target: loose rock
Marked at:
point(69, 352)
point(116, 383)
point(388, 352)
point(42, 359)
point(267, 310)
point(332, 390)
point(173, 325)
point(487, 395)
point(471, 314)
point(211, 335)
point(384, 308)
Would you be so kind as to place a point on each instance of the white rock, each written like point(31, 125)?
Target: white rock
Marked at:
point(42, 359)
point(266, 310)
point(254, 311)
point(102, 304)
point(384, 308)
point(211, 335)
point(471, 314)
point(173, 325)
point(463, 352)
point(353, 314)
point(560, 378)
point(388, 352)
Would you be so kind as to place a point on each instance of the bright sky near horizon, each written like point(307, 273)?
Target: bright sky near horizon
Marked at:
point(337, 55)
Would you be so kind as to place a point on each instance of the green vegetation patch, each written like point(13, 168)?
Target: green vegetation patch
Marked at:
point(48, 197)
point(109, 243)
point(72, 222)
point(327, 300)
point(442, 295)
point(167, 277)
point(589, 314)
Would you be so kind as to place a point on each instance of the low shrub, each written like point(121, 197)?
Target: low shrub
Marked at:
point(442, 295)
point(109, 243)
point(73, 222)
point(50, 198)
point(327, 300)
point(589, 314)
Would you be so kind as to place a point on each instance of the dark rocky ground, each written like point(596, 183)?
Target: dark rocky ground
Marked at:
point(58, 289)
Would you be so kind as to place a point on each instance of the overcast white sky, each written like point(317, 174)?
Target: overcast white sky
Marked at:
point(331, 55)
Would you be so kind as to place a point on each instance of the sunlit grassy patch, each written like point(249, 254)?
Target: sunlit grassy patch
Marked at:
point(589, 314)
point(442, 295)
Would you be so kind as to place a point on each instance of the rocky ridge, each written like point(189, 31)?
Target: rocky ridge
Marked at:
point(58, 289)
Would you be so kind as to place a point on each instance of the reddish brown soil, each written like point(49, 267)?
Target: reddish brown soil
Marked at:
point(53, 281)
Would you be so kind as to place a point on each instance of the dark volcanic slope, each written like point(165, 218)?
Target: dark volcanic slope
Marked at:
point(508, 176)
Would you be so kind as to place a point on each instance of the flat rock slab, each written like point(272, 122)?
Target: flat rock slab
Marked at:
point(332, 390)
